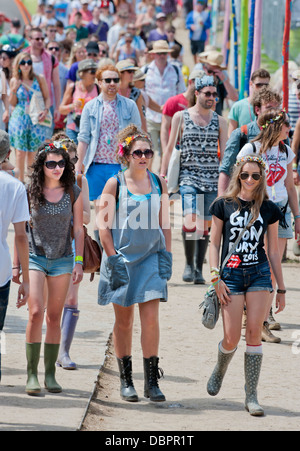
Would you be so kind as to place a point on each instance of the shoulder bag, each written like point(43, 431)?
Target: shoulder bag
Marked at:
point(174, 164)
point(211, 303)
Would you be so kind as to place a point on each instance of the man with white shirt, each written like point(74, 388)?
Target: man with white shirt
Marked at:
point(13, 209)
point(164, 80)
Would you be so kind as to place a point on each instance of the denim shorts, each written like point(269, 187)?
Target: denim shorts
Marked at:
point(4, 294)
point(51, 267)
point(196, 201)
point(97, 176)
point(252, 278)
point(285, 232)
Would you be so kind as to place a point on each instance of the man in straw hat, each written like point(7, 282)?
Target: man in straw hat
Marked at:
point(13, 209)
point(212, 62)
point(163, 81)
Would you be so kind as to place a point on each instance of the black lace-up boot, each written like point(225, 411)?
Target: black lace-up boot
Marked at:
point(127, 389)
point(151, 375)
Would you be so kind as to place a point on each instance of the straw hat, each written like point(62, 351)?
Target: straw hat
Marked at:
point(196, 74)
point(213, 58)
point(160, 46)
point(139, 75)
point(125, 65)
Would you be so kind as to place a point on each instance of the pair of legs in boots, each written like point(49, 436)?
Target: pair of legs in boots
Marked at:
point(122, 336)
point(256, 303)
point(52, 301)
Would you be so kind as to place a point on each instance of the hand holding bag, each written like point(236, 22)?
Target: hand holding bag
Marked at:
point(36, 106)
point(211, 303)
point(174, 164)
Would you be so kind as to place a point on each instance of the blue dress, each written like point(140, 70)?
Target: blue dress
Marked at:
point(23, 134)
point(140, 242)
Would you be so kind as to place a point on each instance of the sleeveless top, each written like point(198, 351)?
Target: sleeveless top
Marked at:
point(138, 237)
point(199, 161)
point(84, 97)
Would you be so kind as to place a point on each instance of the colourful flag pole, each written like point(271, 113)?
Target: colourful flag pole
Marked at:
point(257, 35)
point(285, 54)
point(249, 58)
point(235, 46)
point(243, 44)
point(226, 32)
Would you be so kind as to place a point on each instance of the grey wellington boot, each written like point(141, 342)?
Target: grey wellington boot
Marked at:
point(252, 371)
point(127, 390)
point(215, 381)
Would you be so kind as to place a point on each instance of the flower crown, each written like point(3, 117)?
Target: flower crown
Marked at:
point(251, 159)
point(55, 145)
point(127, 141)
point(271, 121)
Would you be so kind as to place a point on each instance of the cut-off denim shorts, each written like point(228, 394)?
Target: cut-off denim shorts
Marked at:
point(4, 294)
point(252, 278)
point(51, 267)
point(196, 201)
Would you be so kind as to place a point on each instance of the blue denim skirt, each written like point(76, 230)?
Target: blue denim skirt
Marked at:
point(252, 278)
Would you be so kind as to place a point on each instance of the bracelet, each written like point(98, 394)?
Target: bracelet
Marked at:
point(281, 291)
point(295, 166)
point(297, 217)
point(216, 283)
point(78, 259)
point(79, 262)
point(16, 267)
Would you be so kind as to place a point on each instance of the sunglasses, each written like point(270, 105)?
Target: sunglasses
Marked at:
point(255, 176)
point(39, 39)
point(109, 80)
point(138, 154)
point(52, 164)
point(93, 54)
point(103, 52)
point(210, 94)
point(53, 48)
point(74, 160)
point(91, 71)
point(24, 62)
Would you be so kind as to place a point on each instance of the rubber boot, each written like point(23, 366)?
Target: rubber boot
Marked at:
point(201, 248)
point(215, 381)
point(127, 390)
point(151, 375)
point(50, 357)
point(69, 322)
point(33, 351)
point(189, 251)
point(252, 371)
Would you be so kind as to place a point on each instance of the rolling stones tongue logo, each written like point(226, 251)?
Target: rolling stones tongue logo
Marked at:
point(274, 174)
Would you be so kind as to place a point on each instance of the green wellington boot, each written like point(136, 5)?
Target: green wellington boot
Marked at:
point(50, 357)
point(252, 371)
point(33, 350)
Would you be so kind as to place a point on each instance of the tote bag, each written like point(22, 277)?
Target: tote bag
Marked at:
point(174, 165)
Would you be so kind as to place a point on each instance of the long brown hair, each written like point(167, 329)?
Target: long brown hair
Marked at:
point(270, 124)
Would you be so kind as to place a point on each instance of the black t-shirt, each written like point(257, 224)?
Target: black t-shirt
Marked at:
point(250, 250)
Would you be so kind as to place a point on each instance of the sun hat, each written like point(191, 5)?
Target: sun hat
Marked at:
point(160, 16)
point(139, 75)
point(196, 73)
point(86, 65)
point(125, 65)
point(213, 58)
point(4, 145)
point(160, 46)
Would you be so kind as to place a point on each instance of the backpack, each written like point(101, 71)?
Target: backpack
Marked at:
point(244, 140)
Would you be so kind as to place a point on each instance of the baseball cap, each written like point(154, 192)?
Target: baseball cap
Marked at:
point(86, 65)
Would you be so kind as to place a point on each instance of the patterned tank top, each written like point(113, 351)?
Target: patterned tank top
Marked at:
point(199, 161)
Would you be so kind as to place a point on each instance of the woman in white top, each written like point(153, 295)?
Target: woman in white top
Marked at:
point(274, 125)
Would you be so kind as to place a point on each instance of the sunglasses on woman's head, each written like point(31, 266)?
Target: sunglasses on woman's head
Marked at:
point(138, 154)
point(255, 176)
point(74, 160)
point(52, 164)
point(24, 62)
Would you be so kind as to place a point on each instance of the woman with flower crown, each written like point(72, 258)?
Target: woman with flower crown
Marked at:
point(246, 278)
point(137, 262)
point(274, 127)
point(55, 204)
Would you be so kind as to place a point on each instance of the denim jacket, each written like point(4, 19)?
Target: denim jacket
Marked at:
point(91, 119)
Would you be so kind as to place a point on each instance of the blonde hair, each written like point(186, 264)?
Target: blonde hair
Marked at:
point(17, 71)
point(234, 189)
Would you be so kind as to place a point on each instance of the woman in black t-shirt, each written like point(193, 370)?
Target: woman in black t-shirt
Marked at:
point(246, 278)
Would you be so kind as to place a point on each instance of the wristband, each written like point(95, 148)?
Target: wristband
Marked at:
point(78, 259)
point(297, 217)
point(79, 263)
point(281, 291)
point(295, 166)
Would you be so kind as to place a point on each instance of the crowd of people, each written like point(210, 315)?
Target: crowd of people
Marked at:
point(91, 93)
